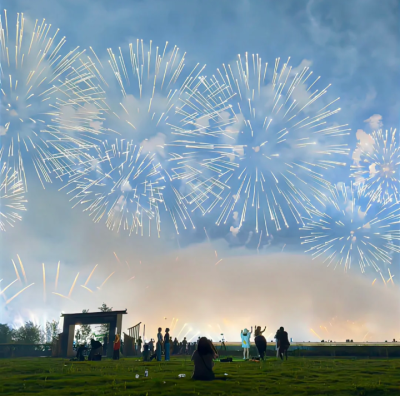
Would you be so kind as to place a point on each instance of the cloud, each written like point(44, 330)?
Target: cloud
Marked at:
point(126, 186)
point(234, 230)
point(155, 144)
point(375, 121)
point(79, 119)
point(304, 63)
point(3, 130)
point(365, 144)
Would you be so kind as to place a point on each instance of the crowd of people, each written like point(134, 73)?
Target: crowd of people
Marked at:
point(203, 351)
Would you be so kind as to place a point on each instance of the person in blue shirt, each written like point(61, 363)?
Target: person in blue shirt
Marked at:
point(166, 345)
point(245, 336)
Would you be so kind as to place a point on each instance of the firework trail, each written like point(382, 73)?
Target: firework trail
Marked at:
point(32, 93)
point(354, 229)
point(272, 143)
point(379, 167)
point(141, 177)
point(11, 197)
point(22, 284)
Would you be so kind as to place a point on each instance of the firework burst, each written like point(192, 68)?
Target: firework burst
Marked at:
point(125, 185)
point(271, 143)
point(142, 87)
point(12, 201)
point(31, 68)
point(354, 230)
point(379, 167)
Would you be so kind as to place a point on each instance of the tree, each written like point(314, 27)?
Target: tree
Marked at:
point(6, 334)
point(105, 328)
point(52, 331)
point(28, 334)
point(83, 334)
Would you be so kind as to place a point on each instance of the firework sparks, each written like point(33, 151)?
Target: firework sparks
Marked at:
point(378, 167)
point(2, 292)
point(31, 68)
point(11, 197)
point(108, 277)
point(312, 331)
point(272, 143)
point(143, 87)
point(73, 285)
point(57, 276)
point(17, 294)
point(347, 234)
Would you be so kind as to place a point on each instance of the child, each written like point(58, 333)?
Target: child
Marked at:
point(245, 335)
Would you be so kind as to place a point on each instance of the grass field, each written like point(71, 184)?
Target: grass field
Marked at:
point(297, 376)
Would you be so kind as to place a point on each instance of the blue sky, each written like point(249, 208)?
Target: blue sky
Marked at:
point(352, 45)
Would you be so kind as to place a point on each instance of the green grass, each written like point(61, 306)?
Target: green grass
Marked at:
point(297, 376)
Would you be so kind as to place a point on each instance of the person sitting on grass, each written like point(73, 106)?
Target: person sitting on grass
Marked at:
point(96, 350)
point(283, 342)
point(146, 351)
point(117, 345)
point(203, 361)
point(79, 353)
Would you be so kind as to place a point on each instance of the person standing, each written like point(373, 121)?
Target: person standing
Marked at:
point(117, 345)
point(283, 342)
point(159, 344)
point(167, 345)
point(139, 343)
point(176, 347)
point(245, 335)
point(105, 342)
point(184, 343)
point(151, 346)
point(277, 343)
point(260, 341)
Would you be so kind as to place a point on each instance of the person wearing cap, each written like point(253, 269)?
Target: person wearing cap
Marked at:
point(245, 336)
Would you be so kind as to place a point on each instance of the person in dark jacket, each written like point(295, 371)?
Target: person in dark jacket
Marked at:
point(283, 342)
point(96, 349)
point(105, 342)
point(79, 353)
point(167, 347)
point(203, 361)
point(175, 350)
point(261, 344)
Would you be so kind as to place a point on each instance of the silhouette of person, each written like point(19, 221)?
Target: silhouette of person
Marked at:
point(184, 344)
point(283, 342)
point(167, 345)
point(159, 344)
